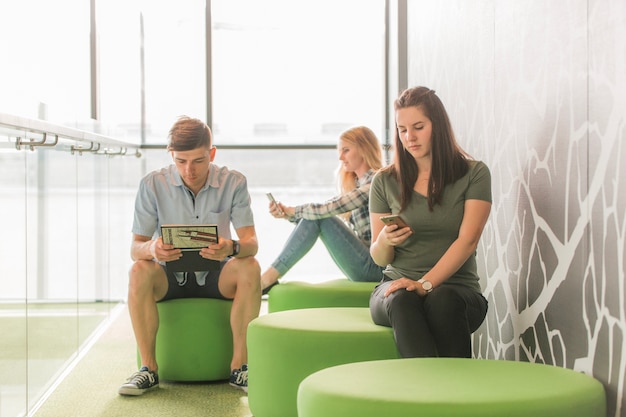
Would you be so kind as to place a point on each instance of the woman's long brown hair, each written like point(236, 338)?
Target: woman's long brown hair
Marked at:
point(449, 161)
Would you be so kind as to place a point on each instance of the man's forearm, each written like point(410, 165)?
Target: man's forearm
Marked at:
point(142, 250)
point(248, 247)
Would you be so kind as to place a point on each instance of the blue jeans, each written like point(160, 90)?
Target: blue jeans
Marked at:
point(349, 253)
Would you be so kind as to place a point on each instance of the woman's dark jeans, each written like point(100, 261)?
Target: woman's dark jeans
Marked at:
point(439, 324)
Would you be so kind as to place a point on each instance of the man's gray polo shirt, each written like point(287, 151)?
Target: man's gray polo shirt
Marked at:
point(162, 198)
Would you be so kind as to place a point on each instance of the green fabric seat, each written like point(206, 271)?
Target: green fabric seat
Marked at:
point(335, 293)
point(194, 341)
point(450, 387)
point(284, 347)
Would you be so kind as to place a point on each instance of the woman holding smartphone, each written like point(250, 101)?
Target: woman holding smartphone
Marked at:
point(430, 294)
point(342, 223)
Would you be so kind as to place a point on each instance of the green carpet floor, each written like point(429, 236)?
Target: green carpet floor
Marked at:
point(90, 389)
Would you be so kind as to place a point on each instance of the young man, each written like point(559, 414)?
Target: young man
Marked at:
point(192, 191)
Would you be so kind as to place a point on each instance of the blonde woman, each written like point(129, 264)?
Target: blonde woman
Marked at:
point(342, 223)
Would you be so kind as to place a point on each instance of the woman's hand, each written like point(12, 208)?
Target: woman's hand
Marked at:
point(281, 211)
point(385, 238)
point(405, 284)
point(392, 235)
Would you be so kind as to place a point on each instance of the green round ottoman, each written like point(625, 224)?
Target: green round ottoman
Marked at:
point(335, 293)
point(194, 341)
point(450, 387)
point(286, 346)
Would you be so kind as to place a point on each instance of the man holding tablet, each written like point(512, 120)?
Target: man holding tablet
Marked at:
point(192, 191)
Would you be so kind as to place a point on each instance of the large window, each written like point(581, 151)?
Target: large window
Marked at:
point(265, 73)
point(152, 65)
point(296, 72)
point(44, 48)
point(281, 72)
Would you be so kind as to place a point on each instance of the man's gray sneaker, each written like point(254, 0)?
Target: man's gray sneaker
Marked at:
point(140, 382)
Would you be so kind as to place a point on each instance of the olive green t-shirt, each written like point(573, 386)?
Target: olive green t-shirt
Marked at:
point(433, 232)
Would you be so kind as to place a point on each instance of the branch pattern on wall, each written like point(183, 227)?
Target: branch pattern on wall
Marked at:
point(537, 90)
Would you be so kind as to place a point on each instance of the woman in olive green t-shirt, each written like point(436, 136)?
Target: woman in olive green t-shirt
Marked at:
point(430, 292)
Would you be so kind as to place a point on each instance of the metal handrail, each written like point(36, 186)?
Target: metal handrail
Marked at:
point(103, 145)
point(294, 146)
point(17, 126)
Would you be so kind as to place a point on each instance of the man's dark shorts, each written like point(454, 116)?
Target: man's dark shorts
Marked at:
point(199, 284)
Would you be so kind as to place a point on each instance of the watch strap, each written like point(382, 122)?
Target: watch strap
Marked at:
point(236, 248)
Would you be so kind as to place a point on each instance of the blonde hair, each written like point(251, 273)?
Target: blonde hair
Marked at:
point(369, 147)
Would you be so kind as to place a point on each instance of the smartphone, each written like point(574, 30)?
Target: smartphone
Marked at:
point(394, 219)
point(273, 200)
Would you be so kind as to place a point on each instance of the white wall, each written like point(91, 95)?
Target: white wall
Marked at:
point(537, 90)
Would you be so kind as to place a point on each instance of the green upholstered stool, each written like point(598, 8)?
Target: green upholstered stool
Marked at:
point(194, 341)
point(286, 346)
point(450, 387)
point(335, 293)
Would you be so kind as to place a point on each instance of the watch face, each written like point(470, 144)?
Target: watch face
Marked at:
point(427, 285)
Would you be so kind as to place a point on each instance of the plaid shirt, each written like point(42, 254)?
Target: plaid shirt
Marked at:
point(355, 201)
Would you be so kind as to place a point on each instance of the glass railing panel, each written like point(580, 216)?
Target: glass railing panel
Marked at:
point(13, 342)
point(124, 175)
point(92, 237)
point(61, 250)
point(91, 218)
point(13, 358)
point(52, 249)
point(13, 215)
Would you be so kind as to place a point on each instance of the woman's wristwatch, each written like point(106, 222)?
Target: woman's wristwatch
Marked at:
point(426, 285)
